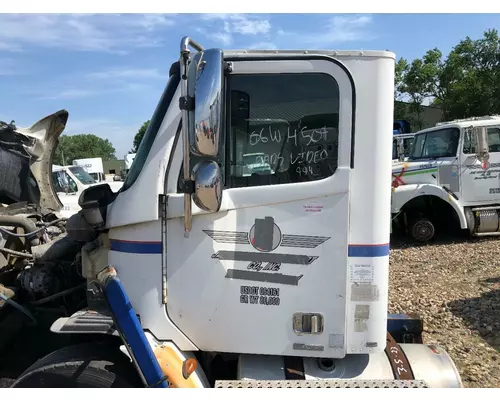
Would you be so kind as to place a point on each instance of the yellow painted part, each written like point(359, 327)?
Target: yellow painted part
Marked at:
point(172, 363)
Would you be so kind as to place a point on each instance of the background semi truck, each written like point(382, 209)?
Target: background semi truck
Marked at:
point(129, 159)
point(93, 166)
point(401, 126)
point(451, 180)
point(69, 182)
point(200, 274)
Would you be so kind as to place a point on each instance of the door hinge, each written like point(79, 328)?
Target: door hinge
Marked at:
point(162, 206)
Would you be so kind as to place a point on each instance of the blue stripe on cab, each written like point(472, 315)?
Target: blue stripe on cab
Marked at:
point(126, 246)
point(368, 250)
point(354, 250)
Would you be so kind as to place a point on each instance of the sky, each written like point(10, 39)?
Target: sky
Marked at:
point(109, 70)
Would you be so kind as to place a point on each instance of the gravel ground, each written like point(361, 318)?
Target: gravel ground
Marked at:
point(455, 286)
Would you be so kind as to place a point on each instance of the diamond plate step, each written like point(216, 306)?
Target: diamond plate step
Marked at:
point(319, 384)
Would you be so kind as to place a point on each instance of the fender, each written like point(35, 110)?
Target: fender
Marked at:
point(403, 194)
point(181, 367)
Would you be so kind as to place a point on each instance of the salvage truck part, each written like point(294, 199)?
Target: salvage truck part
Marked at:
point(207, 272)
point(450, 180)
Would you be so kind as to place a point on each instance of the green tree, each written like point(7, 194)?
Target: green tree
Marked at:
point(401, 110)
point(471, 78)
point(83, 146)
point(420, 82)
point(139, 135)
point(465, 84)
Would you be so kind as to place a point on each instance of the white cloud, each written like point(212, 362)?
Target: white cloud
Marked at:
point(240, 24)
point(337, 29)
point(9, 67)
point(245, 26)
point(212, 16)
point(347, 28)
point(74, 127)
point(153, 21)
point(82, 32)
point(263, 46)
point(223, 37)
point(6, 46)
point(126, 73)
point(89, 84)
point(53, 92)
point(69, 94)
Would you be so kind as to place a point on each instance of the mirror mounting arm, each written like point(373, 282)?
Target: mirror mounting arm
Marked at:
point(186, 42)
point(188, 187)
point(187, 103)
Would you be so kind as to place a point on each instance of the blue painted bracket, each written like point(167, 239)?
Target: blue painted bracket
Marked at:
point(130, 328)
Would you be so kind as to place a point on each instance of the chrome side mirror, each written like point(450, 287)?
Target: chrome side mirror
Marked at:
point(201, 102)
point(482, 148)
point(205, 79)
point(207, 186)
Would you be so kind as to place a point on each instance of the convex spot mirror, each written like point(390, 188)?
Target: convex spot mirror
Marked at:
point(205, 81)
point(207, 187)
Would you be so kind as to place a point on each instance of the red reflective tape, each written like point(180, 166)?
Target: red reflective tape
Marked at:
point(398, 181)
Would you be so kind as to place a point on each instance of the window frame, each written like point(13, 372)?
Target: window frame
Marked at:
point(346, 80)
point(68, 178)
point(488, 128)
point(229, 142)
point(153, 127)
point(449, 128)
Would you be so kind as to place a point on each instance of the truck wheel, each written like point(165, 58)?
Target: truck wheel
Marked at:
point(89, 365)
point(422, 229)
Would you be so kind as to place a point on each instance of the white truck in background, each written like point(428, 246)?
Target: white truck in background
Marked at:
point(129, 159)
point(69, 182)
point(93, 166)
point(451, 179)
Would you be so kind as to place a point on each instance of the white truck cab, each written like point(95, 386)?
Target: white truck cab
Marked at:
point(451, 178)
point(93, 166)
point(262, 244)
point(69, 182)
point(258, 273)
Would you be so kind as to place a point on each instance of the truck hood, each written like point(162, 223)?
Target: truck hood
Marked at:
point(30, 152)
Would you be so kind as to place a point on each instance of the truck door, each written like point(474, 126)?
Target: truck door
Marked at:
point(267, 273)
point(478, 184)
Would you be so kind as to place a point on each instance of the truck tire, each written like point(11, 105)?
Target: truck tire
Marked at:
point(87, 365)
point(421, 229)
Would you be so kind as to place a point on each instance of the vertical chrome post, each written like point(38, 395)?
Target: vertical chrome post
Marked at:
point(184, 61)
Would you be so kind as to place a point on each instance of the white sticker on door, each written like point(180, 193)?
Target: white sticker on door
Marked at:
point(361, 273)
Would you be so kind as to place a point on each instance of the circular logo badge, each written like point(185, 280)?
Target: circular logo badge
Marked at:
point(265, 235)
